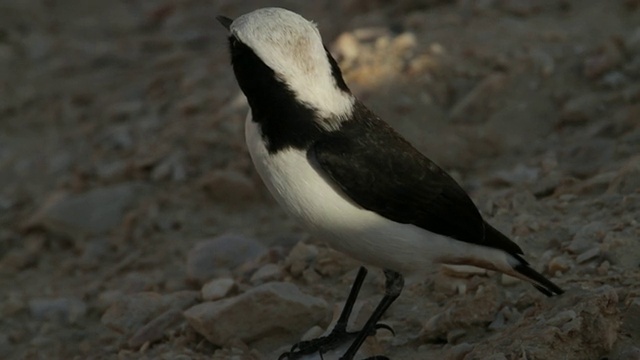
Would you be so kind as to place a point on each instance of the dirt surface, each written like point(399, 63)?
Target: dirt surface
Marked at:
point(133, 226)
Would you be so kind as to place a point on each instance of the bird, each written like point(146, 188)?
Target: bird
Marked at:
point(348, 176)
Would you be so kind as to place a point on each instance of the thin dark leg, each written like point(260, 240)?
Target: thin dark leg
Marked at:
point(339, 333)
point(393, 288)
point(351, 299)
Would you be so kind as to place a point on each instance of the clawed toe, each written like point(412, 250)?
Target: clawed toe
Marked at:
point(320, 345)
point(383, 326)
point(332, 341)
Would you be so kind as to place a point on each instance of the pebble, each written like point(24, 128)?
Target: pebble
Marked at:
point(270, 309)
point(171, 168)
point(580, 109)
point(217, 289)
point(587, 236)
point(463, 312)
point(559, 264)
point(300, 257)
point(154, 329)
point(523, 8)
point(268, 272)
point(474, 107)
point(630, 353)
point(219, 256)
point(627, 180)
point(92, 213)
point(588, 255)
point(608, 56)
point(6, 346)
point(63, 309)
point(129, 313)
point(228, 186)
point(459, 351)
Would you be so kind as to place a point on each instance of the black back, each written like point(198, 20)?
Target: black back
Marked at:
point(366, 159)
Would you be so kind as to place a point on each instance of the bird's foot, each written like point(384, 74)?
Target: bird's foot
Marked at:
point(321, 345)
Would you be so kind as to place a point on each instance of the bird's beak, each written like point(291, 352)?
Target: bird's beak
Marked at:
point(225, 21)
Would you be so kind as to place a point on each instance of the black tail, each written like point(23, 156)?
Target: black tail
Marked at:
point(540, 282)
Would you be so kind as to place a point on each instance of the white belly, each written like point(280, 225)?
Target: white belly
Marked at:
point(346, 227)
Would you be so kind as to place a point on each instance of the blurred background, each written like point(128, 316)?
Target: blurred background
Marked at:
point(129, 205)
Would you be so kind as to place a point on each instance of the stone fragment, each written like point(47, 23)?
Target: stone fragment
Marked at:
point(228, 186)
point(154, 329)
point(627, 180)
point(475, 106)
point(587, 236)
point(559, 264)
point(129, 313)
point(217, 289)
point(271, 309)
point(300, 257)
point(64, 309)
point(94, 212)
point(588, 255)
point(219, 256)
point(268, 272)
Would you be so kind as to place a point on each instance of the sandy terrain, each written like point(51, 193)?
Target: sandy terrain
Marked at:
point(133, 226)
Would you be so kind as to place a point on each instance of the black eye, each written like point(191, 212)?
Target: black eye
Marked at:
point(233, 41)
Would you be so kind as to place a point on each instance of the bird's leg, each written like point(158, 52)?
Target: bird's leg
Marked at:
point(339, 333)
point(393, 288)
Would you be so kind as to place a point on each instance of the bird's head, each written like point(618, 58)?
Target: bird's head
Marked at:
point(274, 48)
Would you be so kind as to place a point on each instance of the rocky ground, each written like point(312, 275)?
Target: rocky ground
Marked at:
point(133, 226)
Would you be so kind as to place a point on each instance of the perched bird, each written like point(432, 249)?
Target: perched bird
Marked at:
point(346, 174)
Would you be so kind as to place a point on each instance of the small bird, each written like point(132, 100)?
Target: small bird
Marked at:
point(346, 174)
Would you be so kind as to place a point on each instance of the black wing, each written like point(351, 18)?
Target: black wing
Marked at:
point(382, 172)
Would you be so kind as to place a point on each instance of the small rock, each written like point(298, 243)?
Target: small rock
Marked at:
point(217, 289)
point(454, 335)
point(346, 48)
point(221, 255)
point(518, 175)
point(129, 313)
point(92, 213)
point(228, 186)
point(587, 236)
point(94, 251)
point(475, 107)
point(464, 312)
point(268, 272)
point(630, 353)
point(587, 158)
point(171, 168)
point(603, 60)
point(300, 257)
point(133, 311)
point(603, 269)
point(523, 8)
point(154, 329)
point(580, 109)
point(270, 309)
point(125, 110)
point(6, 346)
point(588, 255)
point(627, 180)
point(559, 264)
point(65, 309)
point(458, 351)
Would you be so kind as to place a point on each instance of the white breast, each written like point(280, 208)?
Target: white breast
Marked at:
point(363, 234)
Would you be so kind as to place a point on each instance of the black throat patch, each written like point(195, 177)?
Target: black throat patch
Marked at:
point(284, 121)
